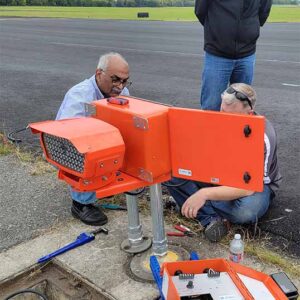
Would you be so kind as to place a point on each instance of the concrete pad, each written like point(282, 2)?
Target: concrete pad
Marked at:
point(102, 262)
point(35, 221)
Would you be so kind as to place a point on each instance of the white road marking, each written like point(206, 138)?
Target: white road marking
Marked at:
point(281, 61)
point(166, 52)
point(290, 84)
point(132, 49)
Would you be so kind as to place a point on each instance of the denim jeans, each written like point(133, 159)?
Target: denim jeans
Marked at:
point(245, 210)
point(83, 197)
point(218, 72)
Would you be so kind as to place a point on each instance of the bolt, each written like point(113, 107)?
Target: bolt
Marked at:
point(247, 177)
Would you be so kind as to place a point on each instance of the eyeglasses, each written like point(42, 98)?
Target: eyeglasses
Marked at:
point(239, 95)
point(116, 80)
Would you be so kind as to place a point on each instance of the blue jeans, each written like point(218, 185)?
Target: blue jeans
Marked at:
point(245, 210)
point(83, 197)
point(218, 72)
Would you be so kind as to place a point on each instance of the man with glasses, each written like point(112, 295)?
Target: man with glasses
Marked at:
point(110, 80)
point(231, 29)
point(212, 205)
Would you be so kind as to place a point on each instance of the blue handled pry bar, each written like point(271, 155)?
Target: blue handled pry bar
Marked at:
point(82, 239)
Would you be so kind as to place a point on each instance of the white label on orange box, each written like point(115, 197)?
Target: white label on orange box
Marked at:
point(184, 172)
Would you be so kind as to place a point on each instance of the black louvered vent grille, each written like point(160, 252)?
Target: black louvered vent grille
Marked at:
point(63, 152)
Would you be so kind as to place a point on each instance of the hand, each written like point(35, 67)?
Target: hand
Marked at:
point(193, 204)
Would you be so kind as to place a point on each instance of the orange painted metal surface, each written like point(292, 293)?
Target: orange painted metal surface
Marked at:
point(124, 183)
point(158, 140)
point(168, 269)
point(212, 147)
point(144, 128)
point(100, 143)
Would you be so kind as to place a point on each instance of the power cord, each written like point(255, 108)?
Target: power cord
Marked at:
point(167, 184)
point(15, 140)
point(138, 192)
point(26, 291)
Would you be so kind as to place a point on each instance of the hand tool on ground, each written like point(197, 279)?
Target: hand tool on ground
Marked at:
point(113, 206)
point(82, 239)
point(183, 231)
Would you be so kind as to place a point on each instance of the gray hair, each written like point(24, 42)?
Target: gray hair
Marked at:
point(243, 88)
point(105, 58)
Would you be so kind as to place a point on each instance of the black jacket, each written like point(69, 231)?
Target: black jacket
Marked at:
point(231, 27)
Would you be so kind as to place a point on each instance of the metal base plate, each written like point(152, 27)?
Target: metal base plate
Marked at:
point(140, 263)
point(134, 248)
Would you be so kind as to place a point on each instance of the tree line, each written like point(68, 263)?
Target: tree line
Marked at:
point(102, 3)
point(116, 3)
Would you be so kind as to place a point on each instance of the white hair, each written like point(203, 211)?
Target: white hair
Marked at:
point(105, 58)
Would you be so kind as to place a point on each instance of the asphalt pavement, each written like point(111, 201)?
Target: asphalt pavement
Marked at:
point(40, 59)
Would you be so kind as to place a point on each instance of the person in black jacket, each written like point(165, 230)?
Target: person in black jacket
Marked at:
point(231, 29)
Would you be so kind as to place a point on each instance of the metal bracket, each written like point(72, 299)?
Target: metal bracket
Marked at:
point(90, 109)
point(145, 175)
point(140, 123)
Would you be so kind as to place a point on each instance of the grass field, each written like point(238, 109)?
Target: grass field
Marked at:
point(278, 13)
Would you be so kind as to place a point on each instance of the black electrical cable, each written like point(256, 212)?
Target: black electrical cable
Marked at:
point(174, 185)
point(26, 291)
point(15, 140)
point(135, 193)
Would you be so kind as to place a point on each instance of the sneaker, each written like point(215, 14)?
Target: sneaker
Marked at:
point(88, 214)
point(216, 230)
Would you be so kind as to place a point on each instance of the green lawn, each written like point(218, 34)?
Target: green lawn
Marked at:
point(278, 13)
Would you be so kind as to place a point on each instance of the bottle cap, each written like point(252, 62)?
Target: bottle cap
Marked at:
point(237, 236)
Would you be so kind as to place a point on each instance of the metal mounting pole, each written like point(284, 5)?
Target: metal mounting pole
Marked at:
point(160, 243)
point(136, 242)
point(139, 264)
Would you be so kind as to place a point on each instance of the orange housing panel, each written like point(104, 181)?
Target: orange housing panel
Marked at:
point(212, 147)
point(144, 128)
point(97, 145)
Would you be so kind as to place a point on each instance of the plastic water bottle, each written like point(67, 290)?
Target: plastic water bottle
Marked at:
point(236, 249)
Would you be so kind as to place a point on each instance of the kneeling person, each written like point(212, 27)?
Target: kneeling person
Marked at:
point(110, 80)
point(210, 204)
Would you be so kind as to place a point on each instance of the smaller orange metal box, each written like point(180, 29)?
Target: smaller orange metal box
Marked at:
point(144, 128)
point(87, 151)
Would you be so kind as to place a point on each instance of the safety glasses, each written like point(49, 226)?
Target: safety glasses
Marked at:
point(238, 95)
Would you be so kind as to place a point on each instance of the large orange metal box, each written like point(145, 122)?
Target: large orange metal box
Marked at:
point(144, 128)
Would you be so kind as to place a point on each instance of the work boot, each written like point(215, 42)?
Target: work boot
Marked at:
point(216, 230)
point(88, 214)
